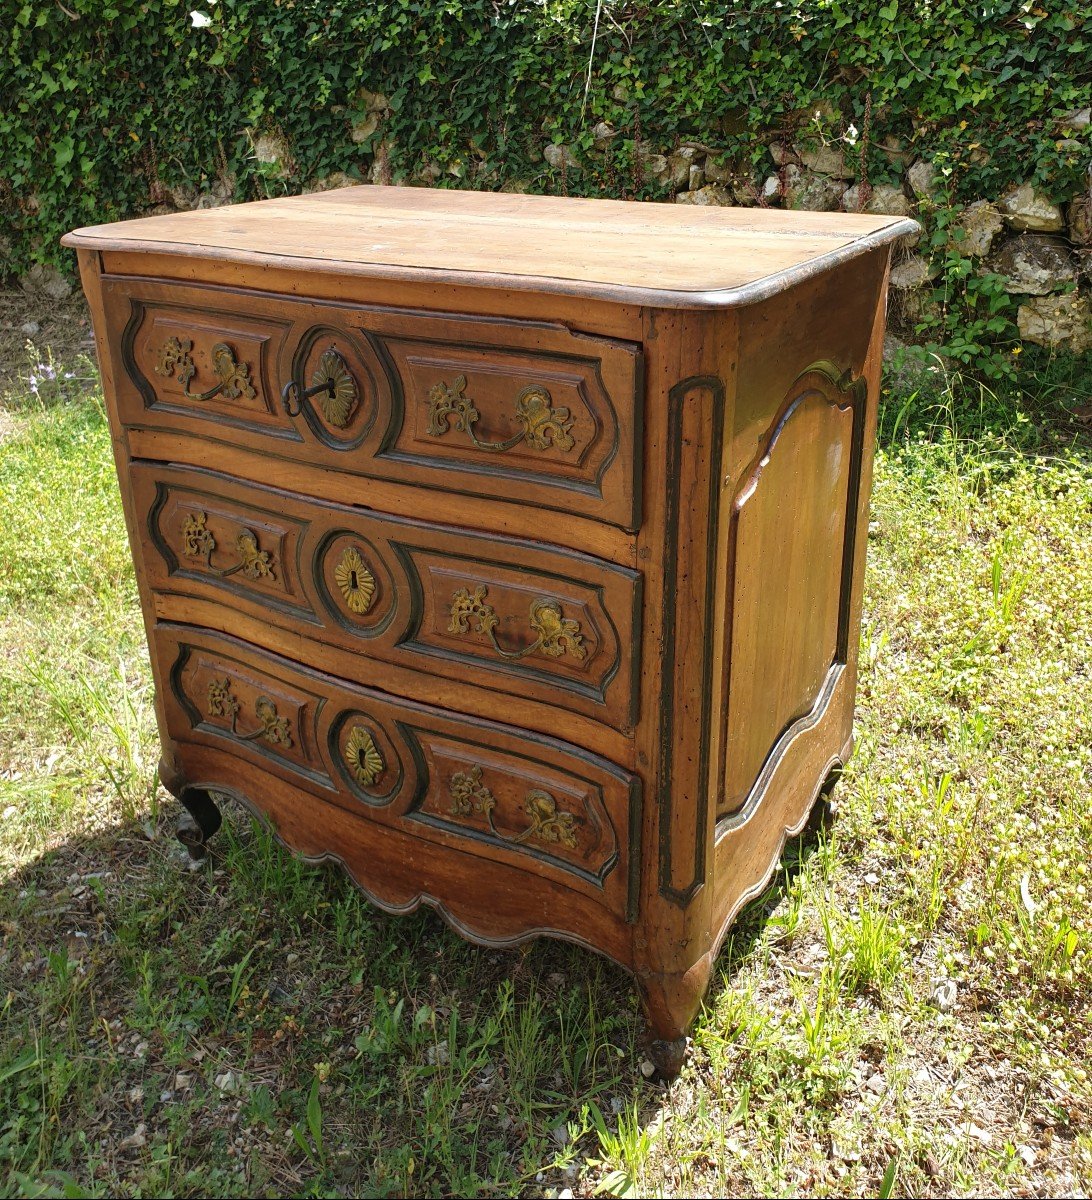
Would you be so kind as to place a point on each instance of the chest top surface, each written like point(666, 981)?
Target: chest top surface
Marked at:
point(664, 255)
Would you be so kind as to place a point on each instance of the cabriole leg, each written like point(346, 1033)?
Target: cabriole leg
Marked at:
point(671, 1002)
point(202, 817)
point(199, 822)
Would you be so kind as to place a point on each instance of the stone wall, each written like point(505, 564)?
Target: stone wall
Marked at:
point(1041, 247)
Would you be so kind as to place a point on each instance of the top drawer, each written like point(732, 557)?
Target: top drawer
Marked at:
point(515, 410)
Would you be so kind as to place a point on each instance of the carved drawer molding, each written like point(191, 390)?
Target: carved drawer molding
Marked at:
point(522, 411)
point(489, 788)
point(559, 629)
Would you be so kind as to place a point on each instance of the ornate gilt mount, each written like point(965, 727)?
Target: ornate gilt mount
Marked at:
point(271, 727)
point(198, 542)
point(548, 824)
point(363, 757)
point(542, 424)
point(557, 634)
point(332, 385)
point(175, 358)
point(355, 580)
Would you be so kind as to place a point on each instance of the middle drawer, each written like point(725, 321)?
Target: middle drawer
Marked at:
point(536, 621)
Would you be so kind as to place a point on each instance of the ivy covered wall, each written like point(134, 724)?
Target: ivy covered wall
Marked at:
point(114, 109)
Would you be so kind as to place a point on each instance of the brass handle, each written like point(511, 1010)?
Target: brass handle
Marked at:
point(542, 424)
point(548, 823)
point(557, 634)
point(332, 383)
point(198, 542)
point(221, 703)
point(175, 359)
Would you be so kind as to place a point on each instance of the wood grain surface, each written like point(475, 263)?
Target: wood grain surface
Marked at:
point(666, 254)
point(410, 577)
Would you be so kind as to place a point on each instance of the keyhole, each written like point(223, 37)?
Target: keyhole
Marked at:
point(331, 389)
point(354, 580)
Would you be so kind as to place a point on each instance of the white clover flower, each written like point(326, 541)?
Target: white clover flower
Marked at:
point(200, 20)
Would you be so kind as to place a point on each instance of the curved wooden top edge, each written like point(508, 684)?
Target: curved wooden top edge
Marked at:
point(846, 239)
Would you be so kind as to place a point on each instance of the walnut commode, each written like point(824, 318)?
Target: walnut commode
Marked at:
point(506, 549)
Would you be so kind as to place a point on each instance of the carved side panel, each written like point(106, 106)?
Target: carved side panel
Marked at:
point(791, 542)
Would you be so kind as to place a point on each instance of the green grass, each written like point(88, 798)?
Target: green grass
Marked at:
point(905, 1012)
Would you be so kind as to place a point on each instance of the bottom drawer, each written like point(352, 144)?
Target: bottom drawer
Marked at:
point(471, 785)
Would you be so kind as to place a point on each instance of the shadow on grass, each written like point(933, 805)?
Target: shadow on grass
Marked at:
point(255, 1025)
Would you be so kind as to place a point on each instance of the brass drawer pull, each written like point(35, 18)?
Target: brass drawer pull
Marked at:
point(548, 824)
point(557, 634)
point(175, 359)
point(332, 383)
point(198, 542)
point(542, 423)
point(221, 703)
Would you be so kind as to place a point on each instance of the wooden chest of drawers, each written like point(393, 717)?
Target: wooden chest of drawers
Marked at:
point(506, 549)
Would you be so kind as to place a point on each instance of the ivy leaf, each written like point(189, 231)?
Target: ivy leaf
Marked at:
point(66, 148)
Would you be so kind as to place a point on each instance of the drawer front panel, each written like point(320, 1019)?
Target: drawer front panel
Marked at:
point(478, 787)
point(522, 411)
point(550, 625)
point(217, 363)
point(504, 413)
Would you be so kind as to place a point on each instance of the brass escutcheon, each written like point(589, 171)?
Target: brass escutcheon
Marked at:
point(332, 385)
point(355, 580)
point(363, 757)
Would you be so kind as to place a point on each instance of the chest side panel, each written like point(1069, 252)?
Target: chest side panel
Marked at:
point(797, 484)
